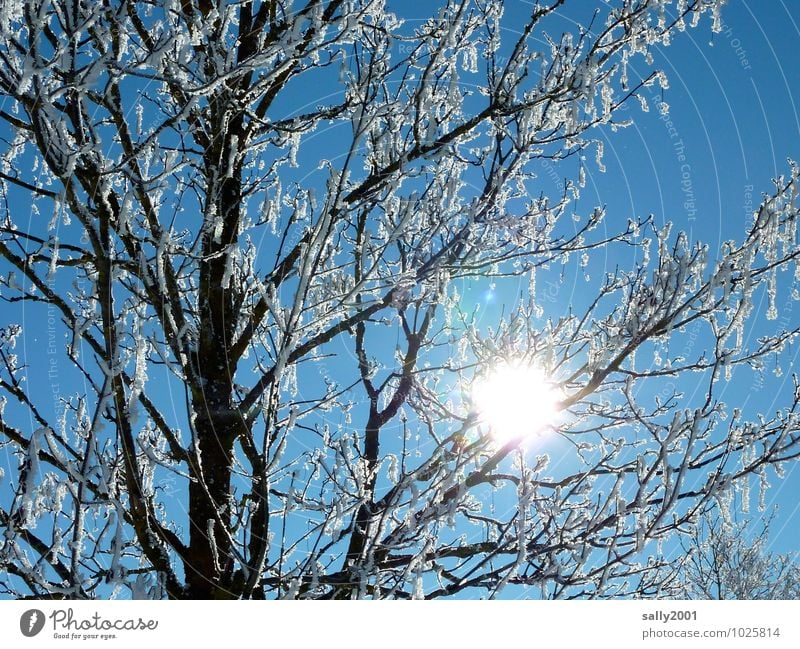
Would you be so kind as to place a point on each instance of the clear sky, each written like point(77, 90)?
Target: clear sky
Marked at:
point(732, 124)
point(733, 121)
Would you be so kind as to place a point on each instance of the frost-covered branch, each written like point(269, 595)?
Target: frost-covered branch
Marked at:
point(254, 315)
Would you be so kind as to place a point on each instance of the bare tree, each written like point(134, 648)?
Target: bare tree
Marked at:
point(266, 376)
point(732, 560)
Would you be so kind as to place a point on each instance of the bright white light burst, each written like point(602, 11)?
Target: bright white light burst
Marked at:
point(515, 400)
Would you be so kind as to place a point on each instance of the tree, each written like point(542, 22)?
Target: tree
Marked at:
point(731, 560)
point(269, 370)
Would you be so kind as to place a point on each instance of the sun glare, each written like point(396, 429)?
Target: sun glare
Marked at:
point(515, 400)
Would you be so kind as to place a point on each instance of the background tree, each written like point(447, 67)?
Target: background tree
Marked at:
point(732, 560)
point(270, 371)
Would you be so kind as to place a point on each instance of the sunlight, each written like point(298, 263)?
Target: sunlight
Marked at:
point(515, 400)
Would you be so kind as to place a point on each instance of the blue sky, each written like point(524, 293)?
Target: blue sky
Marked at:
point(732, 123)
point(730, 128)
point(733, 107)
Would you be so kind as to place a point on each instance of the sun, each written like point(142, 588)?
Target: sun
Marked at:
point(515, 400)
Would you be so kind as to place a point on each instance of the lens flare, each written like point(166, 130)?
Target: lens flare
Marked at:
point(515, 400)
